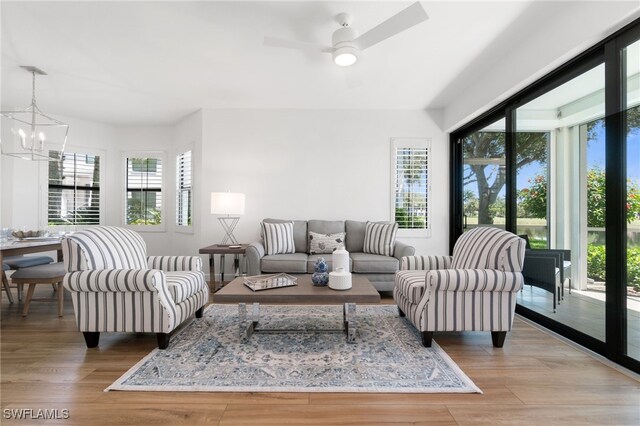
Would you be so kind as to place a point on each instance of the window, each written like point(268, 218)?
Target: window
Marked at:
point(410, 171)
point(183, 189)
point(74, 189)
point(144, 191)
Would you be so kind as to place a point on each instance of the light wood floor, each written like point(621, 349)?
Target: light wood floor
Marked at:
point(534, 379)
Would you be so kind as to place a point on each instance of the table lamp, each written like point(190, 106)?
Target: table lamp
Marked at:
point(230, 205)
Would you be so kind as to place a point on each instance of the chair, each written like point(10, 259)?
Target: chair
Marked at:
point(473, 290)
point(116, 287)
point(52, 273)
point(547, 269)
point(18, 262)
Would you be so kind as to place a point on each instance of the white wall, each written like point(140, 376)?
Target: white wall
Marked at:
point(147, 139)
point(315, 164)
point(572, 29)
point(23, 185)
point(289, 163)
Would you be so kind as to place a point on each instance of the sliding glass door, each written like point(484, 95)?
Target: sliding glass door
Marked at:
point(559, 163)
point(631, 117)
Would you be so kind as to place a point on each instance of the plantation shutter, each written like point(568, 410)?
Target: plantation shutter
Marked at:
point(183, 189)
point(410, 199)
point(73, 189)
point(144, 191)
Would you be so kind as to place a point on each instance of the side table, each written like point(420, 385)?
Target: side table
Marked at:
point(221, 249)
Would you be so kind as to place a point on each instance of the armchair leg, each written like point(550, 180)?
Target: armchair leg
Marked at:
point(400, 312)
point(497, 337)
point(163, 340)
point(91, 338)
point(427, 336)
point(199, 312)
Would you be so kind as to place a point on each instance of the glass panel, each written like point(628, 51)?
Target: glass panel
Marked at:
point(411, 187)
point(74, 189)
point(144, 196)
point(532, 185)
point(632, 91)
point(484, 177)
point(183, 189)
point(560, 201)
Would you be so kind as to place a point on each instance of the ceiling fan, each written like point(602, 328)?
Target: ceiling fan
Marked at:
point(347, 46)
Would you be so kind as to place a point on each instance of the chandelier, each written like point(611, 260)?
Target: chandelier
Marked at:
point(30, 134)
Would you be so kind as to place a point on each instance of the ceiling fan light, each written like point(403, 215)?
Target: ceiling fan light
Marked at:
point(345, 56)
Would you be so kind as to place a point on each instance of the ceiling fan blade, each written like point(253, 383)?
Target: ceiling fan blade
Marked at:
point(401, 21)
point(293, 44)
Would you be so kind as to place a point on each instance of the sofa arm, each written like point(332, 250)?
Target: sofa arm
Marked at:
point(425, 263)
point(253, 254)
point(115, 280)
point(175, 263)
point(402, 249)
point(484, 280)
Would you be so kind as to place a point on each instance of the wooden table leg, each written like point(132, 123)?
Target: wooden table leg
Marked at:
point(212, 271)
point(5, 285)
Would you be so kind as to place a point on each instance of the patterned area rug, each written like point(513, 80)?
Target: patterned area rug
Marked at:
point(207, 355)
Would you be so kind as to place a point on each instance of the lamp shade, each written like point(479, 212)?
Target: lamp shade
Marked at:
point(227, 203)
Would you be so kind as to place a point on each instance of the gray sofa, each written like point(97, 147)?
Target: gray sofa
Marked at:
point(380, 270)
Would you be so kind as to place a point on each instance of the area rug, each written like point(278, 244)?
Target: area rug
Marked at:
point(207, 355)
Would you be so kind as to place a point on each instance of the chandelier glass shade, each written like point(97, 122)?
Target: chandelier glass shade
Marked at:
point(29, 133)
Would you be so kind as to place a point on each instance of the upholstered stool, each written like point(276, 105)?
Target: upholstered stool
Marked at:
point(52, 273)
point(19, 262)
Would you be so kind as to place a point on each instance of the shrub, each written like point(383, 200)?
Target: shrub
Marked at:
point(596, 264)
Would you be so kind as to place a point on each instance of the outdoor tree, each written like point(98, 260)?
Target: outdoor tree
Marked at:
point(480, 148)
point(534, 199)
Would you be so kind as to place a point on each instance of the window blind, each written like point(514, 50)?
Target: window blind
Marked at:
point(411, 187)
point(144, 191)
point(183, 189)
point(73, 189)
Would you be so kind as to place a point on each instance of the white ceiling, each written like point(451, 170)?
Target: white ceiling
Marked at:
point(155, 62)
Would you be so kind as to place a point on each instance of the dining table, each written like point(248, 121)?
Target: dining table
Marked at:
point(20, 247)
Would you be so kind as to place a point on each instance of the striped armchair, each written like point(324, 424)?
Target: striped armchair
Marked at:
point(116, 287)
point(473, 290)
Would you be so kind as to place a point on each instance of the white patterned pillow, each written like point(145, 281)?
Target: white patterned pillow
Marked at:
point(325, 243)
point(278, 238)
point(380, 238)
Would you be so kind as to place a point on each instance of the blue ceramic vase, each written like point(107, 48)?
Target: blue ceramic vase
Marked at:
point(321, 275)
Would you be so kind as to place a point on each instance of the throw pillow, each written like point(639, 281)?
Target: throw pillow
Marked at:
point(325, 243)
point(380, 238)
point(278, 238)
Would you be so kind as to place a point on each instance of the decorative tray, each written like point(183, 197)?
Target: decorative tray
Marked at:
point(266, 282)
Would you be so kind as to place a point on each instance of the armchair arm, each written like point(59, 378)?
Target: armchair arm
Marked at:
point(485, 280)
point(115, 280)
point(402, 249)
point(253, 254)
point(175, 263)
point(425, 263)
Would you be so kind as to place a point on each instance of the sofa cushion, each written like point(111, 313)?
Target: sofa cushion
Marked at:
point(299, 233)
point(328, 258)
point(325, 243)
point(380, 238)
point(373, 263)
point(278, 238)
point(355, 235)
point(294, 263)
point(183, 284)
point(411, 284)
point(326, 226)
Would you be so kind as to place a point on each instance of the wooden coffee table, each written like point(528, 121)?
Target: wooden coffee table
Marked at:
point(305, 293)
